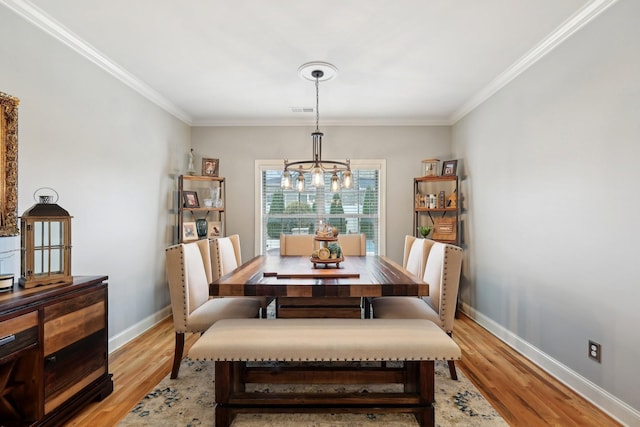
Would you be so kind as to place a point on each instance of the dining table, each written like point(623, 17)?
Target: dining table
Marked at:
point(275, 276)
point(296, 276)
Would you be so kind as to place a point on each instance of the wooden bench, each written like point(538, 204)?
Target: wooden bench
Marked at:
point(231, 343)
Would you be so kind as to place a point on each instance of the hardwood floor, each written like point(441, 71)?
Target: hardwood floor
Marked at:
point(521, 392)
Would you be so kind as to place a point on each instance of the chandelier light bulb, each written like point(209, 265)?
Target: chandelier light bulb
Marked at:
point(335, 183)
point(286, 180)
point(347, 179)
point(300, 183)
point(317, 177)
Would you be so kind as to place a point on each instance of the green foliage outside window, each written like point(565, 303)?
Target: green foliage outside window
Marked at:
point(275, 225)
point(278, 225)
point(369, 207)
point(336, 208)
point(295, 209)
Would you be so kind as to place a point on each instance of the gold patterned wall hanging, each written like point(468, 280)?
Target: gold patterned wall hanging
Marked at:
point(8, 165)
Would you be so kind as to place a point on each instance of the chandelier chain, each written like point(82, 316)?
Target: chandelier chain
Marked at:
point(317, 103)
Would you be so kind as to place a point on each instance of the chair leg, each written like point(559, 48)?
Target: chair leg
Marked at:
point(177, 356)
point(452, 370)
point(452, 363)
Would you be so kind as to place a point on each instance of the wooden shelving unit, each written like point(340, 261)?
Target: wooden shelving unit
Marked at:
point(444, 217)
point(203, 186)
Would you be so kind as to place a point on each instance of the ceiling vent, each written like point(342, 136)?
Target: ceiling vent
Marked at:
point(302, 109)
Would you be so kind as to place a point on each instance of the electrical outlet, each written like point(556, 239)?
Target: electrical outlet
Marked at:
point(595, 351)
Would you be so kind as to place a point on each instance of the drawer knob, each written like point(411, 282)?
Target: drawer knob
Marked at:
point(50, 359)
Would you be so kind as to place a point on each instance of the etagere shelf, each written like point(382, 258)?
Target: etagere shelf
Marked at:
point(207, 188)
point(436, 204)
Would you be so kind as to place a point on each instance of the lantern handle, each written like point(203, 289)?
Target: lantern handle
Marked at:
point(45, 198)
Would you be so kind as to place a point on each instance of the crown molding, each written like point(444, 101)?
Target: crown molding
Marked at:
point(349, 122)
point(578, 20)
point(40, 19)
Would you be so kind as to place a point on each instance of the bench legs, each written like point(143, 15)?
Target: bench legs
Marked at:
point(232, 399)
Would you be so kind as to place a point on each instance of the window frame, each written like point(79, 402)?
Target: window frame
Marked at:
point(377, 164)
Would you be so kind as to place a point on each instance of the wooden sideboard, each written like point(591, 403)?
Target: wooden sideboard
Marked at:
point(53, 351)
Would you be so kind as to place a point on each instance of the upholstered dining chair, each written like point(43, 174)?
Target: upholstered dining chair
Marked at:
point(442, 273)
point(416, 251)
point(296, 244)
point(193, 310)
point(226, 256)
point(414, 260)
point(353, 244)
point(343, 307)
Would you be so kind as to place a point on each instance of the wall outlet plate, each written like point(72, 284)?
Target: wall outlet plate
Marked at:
point(595, 351)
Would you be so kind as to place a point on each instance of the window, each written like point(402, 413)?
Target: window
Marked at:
point(356, 210)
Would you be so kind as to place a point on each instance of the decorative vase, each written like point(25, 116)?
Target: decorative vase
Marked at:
point(217, 201)
point(201, 227)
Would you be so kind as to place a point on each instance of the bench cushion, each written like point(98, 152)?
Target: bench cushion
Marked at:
point(301, 340)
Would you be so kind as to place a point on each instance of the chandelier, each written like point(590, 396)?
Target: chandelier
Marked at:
point(340, 171)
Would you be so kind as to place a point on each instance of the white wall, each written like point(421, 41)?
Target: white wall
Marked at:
point(402, 147)
point(108, 152)
point(551, 165)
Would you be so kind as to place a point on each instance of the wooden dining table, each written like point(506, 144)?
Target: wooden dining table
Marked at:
point(295, 276)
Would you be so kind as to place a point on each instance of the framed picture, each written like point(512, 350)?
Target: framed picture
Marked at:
point(215, 229)
point(210, 167)
point(189, 231)
point(190, 199)
point(449, 167)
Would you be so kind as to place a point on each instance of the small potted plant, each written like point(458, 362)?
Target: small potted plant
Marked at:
point(424, 231)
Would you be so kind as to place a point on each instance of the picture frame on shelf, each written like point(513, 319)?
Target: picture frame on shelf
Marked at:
point(449, 167)
point(210, 167)
point(190, 199)
point(189, 231)
point(215, 229)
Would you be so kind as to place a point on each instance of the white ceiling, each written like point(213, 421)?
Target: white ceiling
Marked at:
point(234, 62)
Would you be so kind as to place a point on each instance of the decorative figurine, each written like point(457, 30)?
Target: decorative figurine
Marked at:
point(191, 169)
point(453, 200)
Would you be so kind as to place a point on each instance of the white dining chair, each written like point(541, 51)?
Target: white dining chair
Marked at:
point(414, 260)
point(192, 308)
point(226, 256)
point(442, 273)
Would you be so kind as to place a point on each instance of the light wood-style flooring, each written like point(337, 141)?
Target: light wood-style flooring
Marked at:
point(522, 393)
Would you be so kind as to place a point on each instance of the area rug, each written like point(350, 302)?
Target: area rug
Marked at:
point(189, 401)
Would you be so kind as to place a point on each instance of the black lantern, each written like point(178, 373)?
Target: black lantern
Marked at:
point(45, 238)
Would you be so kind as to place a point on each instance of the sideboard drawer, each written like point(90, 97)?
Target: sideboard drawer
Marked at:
point(69, 370)
point(18, 333)
point(75, 346)
point(68, 321)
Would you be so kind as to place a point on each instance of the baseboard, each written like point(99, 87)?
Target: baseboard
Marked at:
point(134, 331)
point(598, 396)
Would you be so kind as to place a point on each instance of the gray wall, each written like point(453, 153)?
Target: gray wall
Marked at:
point(549, 196)
point(109, 153)
point(402, 147)
point(551, 166)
